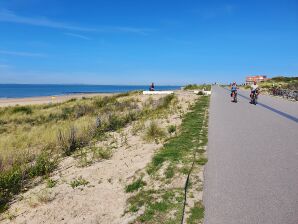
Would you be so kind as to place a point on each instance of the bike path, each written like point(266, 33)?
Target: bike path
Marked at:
point(252, 172)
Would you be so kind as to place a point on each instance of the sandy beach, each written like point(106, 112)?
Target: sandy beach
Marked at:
point(46, 99)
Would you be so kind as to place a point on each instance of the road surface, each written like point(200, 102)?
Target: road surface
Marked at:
point(252, 172)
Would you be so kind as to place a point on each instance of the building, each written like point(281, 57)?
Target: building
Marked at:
point(258, 78)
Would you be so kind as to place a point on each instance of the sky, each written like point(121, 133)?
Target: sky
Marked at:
point(169, 42)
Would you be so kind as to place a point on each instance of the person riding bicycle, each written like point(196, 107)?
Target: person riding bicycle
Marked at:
point(254, 89)
point(233, 89)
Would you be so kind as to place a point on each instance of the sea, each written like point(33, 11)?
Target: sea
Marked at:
point(36, 90)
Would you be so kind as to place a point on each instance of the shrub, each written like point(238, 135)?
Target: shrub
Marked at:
point(154, 132)
point(22, 109)
point(100, 153)
point(191, 87)
point(81, 110)
point(171, 129)
point(165, 101)
point(138, 126)
point(66, 112)
point(104, 101)
point(42, 166)
point(12, 180)
point(68, 142)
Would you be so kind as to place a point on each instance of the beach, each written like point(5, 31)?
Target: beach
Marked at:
point(4, 102)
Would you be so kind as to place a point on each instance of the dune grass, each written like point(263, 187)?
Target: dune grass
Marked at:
point(281, 82)
point(205, 87)
point(33, 138)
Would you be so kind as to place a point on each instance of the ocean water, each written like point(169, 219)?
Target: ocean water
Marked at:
point(34, 90)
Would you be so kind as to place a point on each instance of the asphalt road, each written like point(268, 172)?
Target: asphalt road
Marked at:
point(252, 172)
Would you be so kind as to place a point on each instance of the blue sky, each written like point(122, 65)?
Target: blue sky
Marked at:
point(140, 41)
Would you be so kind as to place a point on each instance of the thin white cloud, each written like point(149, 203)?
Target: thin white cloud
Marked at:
point(11, 17)
point(77, 36)
point(22, 54)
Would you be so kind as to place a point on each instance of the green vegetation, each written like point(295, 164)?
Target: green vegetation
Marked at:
point(196, 213)
point(157, 211)
point(51, 183)
point(164, 204)
point(33, 138)
point(13, 179)
point(154, 132)
point(21, 109)
point(205, 87)
point(281, 82)
point(193, 135)
point(78, 182)
point(172, 129)
point(139, 183)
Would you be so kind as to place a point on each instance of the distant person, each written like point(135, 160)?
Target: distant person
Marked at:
point(151, 87)
point(233, 89)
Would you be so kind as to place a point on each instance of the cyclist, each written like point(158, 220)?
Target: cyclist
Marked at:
point(254, 90)
point(233, 89)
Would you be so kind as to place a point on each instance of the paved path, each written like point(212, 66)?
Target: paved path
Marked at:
point(252, 172)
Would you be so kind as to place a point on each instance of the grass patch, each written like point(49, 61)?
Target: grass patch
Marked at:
point(154, 132)
point(51, 183)
point(202, 161)
point(196, 213)
point(157, 211)
point(170, 172)
point(180, 148)
point(139, 183)
point(78, 182)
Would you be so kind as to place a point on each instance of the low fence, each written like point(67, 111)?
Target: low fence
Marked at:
point(285, 93)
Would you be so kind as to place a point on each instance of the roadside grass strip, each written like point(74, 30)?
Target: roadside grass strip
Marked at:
point(162, 200)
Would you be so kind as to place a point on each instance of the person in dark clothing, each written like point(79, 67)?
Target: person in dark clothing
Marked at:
point(151, 87)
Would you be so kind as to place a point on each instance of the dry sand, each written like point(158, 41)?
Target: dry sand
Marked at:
point(103, 200)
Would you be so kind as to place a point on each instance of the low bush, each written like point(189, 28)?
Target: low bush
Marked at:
point(71, 140)
point(154, 132)
point(22, 109)
point(172, 129)
point(13, 179)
